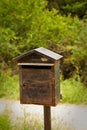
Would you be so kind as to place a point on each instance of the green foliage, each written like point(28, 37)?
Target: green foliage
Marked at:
point(22, 123)
point(28, 24)
point(73, 7)
point(5, 122)
point(9, 85)
point(7, 50)
point(76, 8)
point(20, 18)
point(73, 91)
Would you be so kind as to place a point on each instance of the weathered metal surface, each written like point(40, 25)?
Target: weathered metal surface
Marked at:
point(48, 53)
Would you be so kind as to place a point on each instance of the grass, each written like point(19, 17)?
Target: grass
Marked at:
point(5, 122)
point(21, 124)
point(9, 86)
point(72, 92)
point(72, 89)
point(31, 122)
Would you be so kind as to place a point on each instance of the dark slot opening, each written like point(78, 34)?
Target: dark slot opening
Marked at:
point(35, 67)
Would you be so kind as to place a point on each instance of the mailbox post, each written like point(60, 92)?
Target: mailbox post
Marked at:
point(39, 80)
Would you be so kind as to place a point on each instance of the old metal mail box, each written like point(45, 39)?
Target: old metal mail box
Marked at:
point(39, 77)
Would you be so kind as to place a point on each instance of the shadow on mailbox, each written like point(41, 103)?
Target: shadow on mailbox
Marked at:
point(39, 77)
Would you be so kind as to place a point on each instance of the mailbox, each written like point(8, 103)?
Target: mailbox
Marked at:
point(39, 77)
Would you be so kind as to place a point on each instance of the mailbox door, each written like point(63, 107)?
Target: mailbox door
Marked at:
point(37, 83)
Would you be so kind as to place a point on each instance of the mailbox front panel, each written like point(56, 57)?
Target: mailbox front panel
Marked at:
point(37, 83)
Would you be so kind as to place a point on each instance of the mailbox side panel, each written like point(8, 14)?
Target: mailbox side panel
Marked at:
point(20, 80)
point(57, 82)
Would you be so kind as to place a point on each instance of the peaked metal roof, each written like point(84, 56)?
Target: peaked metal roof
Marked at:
point(48, 53)
point(42, 51)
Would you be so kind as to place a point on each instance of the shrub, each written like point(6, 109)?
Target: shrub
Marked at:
point(9, 85)
point(73, 91)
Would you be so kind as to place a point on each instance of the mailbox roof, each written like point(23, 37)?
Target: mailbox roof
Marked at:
point(48, 53)
point(43, 51)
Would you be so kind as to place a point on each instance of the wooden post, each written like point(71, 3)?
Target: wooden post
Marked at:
point(47, 118)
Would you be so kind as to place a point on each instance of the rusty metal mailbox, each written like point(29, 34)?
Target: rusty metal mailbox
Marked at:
point(39, 77)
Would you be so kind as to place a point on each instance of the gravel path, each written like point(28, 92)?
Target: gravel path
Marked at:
point(66, 116)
